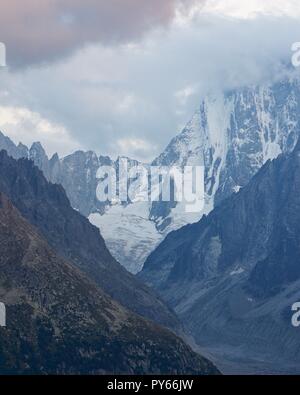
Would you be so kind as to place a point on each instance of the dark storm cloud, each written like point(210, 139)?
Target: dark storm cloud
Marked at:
point(36, 31)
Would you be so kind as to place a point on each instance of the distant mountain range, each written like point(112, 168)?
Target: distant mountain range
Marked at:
point(234, 276)
point(232, 134)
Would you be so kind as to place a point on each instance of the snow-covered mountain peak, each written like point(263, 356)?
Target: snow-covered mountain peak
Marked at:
point(232, 134)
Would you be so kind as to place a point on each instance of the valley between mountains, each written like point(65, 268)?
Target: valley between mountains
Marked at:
point(224, 279)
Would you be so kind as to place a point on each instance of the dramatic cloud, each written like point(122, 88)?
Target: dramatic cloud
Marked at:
point(253, 8)
point(38, 31)
point(131, 97)
point(25, 126)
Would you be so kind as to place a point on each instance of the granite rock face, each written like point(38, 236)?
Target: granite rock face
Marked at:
point(234, 276)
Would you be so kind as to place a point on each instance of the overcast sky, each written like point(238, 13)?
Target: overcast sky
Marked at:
point(122, 77)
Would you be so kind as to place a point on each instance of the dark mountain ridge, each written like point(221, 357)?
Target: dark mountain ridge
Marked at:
point(46, 206)
point(59, 322)
point(234, 275)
